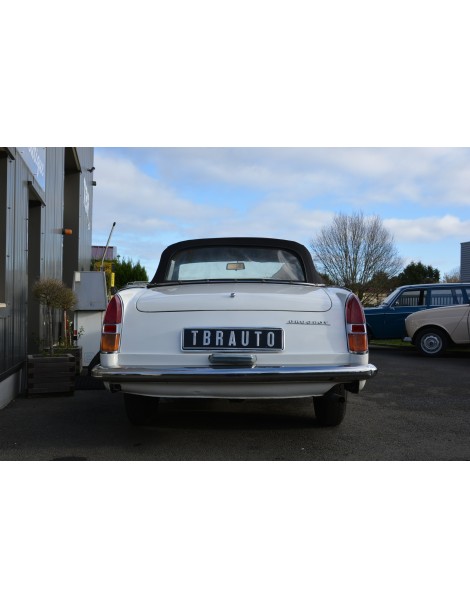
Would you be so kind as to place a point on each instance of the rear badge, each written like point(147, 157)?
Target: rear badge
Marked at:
point(299, 322)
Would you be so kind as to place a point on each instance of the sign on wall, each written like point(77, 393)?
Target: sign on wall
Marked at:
point(86, 202)
point(35, 159)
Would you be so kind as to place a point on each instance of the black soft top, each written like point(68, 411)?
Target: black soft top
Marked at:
point(311, 274)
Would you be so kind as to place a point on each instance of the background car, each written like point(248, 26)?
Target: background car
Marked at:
point(388, 319)
point(241, 318)
point(434, 330)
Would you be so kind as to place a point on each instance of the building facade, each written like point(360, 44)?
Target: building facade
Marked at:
point(465, 261)
point(46, 202)
point(98, 251)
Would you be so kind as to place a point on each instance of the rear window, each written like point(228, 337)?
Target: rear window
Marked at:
point(235, 263)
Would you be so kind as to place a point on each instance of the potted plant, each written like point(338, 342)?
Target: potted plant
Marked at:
point(52, 371)
point(67, 301)
point(68, 345)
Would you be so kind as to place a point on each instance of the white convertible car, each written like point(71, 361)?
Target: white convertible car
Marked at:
point(235, 318)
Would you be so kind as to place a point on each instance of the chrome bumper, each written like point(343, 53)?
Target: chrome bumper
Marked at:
point(258, 374)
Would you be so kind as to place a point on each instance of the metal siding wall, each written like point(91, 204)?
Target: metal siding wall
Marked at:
point(16, 272)
point(53, 213)
point(3, 224)
point(86, 156)
point(19, 271)
point(5, 313)
point(9, 264)
point(34, 320)
point(71, 221)
point(465, 261)
point(78, 209)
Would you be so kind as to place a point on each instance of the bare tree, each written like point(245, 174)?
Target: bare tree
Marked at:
point(452, 276)
point(355, 249)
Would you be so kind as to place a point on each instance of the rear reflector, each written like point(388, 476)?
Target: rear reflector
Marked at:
point(111, 332)
point(356, 326)
point(357, 343)
point(110, 343)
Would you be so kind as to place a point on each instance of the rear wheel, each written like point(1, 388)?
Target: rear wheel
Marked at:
point(431, 342)
point(140, 408)
point(330, 408)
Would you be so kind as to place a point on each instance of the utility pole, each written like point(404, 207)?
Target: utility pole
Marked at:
point(106, 248)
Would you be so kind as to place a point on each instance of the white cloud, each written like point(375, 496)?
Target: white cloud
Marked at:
point(429, 229)
point(137, 201)
point(284, 220)
point(361, 176)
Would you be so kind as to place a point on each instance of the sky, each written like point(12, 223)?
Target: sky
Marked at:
point(158, 196)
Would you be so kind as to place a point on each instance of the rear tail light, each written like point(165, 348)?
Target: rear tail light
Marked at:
point(111, 332)
point(356, 325)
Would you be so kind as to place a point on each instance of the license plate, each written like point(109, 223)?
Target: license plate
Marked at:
point(233, 339)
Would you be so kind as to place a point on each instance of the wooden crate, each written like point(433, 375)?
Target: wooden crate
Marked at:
point(49, 375)
point(76, 352)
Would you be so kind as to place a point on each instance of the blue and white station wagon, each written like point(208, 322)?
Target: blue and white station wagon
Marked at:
point(235, 318)
point(388, 319)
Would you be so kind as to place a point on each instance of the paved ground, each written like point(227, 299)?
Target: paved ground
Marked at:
point(414, 409)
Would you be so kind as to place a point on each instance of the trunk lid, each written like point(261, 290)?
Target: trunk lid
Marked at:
point(234, 297)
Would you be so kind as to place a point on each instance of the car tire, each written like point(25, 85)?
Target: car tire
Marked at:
point(431, 342)
point(140, 408)
point(330, 408)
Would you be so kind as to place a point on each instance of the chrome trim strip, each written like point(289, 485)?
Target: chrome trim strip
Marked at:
point(257, 374)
